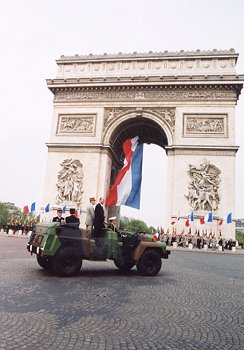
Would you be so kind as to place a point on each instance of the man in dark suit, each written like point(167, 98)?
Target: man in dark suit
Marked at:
point(72, 219)
point(99, 217)
point(59, 217)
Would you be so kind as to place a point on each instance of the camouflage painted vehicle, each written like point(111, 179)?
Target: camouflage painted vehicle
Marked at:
point(61, 248)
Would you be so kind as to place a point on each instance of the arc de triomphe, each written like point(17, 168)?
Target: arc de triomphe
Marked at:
point(184, 102)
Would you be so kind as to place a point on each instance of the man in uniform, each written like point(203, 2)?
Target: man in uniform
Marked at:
point(59, 217)
point(90, 214)
point(112, 224)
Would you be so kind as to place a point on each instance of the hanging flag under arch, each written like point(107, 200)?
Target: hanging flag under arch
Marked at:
point(126, 189)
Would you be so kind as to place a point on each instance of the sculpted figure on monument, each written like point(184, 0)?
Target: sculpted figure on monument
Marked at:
point(70, 182)
point(203, 186)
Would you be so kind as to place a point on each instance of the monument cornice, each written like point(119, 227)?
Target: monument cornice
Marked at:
point(80, 148)
point(146, 80)
point(201, 150)
point(147, 93)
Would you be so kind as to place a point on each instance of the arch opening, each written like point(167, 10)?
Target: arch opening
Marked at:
point(149, 132)
point(153, 188)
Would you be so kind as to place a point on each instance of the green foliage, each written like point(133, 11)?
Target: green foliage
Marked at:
point(16, 216)
point(240, 237)
point(152, 229)
point(133, 225)
point(4, 214)
point(123, 223)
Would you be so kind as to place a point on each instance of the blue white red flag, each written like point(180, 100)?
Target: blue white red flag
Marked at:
point(47, 208)
point(33, 207)
point(126, 189)
point(207, 218)
point(227, 219)
point(64, 209)
point(156, 236)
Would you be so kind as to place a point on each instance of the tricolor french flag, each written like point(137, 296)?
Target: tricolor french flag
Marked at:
point(126, 189)
point(227, 219)
point(207, 218)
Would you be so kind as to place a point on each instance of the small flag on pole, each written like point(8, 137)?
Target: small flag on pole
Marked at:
point(33, 207)
point(26, 209)
point(227, 219)
point(64, 209)
point(192, 216)
point(156, 236)
point(207, 218)
point(47, 208)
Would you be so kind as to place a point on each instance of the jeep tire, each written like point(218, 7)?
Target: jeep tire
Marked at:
point(67, 262)
point(149, 263)
point(124, 266)
point(44, 262)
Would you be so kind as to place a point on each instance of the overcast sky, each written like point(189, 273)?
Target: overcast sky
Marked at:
point(34, 33)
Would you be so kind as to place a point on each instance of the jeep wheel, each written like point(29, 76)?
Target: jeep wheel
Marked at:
point(44, 262)
point(149, 263)
point(124, 266)
point(67, 262)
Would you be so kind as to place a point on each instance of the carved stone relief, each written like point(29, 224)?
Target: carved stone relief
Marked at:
point(70, 182)
point(203, 188)
point(205, 124)
point(165, 114)
point(164, 94)
point(111, 113)
point(76, 124)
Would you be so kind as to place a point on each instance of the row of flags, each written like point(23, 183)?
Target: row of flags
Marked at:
point(205, 219)
point(46, 209)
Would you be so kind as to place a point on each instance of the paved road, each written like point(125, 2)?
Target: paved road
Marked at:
point(196, 302)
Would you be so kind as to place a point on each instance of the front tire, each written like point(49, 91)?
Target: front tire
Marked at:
point(149, 263)
point(67, 262)
point(44, 262)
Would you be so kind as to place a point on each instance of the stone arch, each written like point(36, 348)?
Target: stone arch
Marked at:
point(151, 126)
point(184, 102)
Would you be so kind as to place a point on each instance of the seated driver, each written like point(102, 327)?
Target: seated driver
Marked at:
point(112, 224)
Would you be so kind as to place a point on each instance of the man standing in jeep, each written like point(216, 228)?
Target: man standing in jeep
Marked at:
point(72, 219)
point(99, 218)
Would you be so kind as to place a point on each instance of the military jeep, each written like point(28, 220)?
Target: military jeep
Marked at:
point(61, 249)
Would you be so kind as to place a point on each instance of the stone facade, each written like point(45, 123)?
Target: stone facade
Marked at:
point(184, 102)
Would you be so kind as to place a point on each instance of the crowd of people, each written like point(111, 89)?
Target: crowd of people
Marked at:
point(197, 240)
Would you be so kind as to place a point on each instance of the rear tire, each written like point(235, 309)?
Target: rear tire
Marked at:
point(149, 263)
point(67, 262)
point(44, 262)
point(124, 266)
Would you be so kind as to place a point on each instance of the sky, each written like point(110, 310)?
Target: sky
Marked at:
point(33, 34)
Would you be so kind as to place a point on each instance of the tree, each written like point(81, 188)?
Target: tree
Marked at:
point(4, 214)
point(152, 229)
point(135, 225)
point(123, 223)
